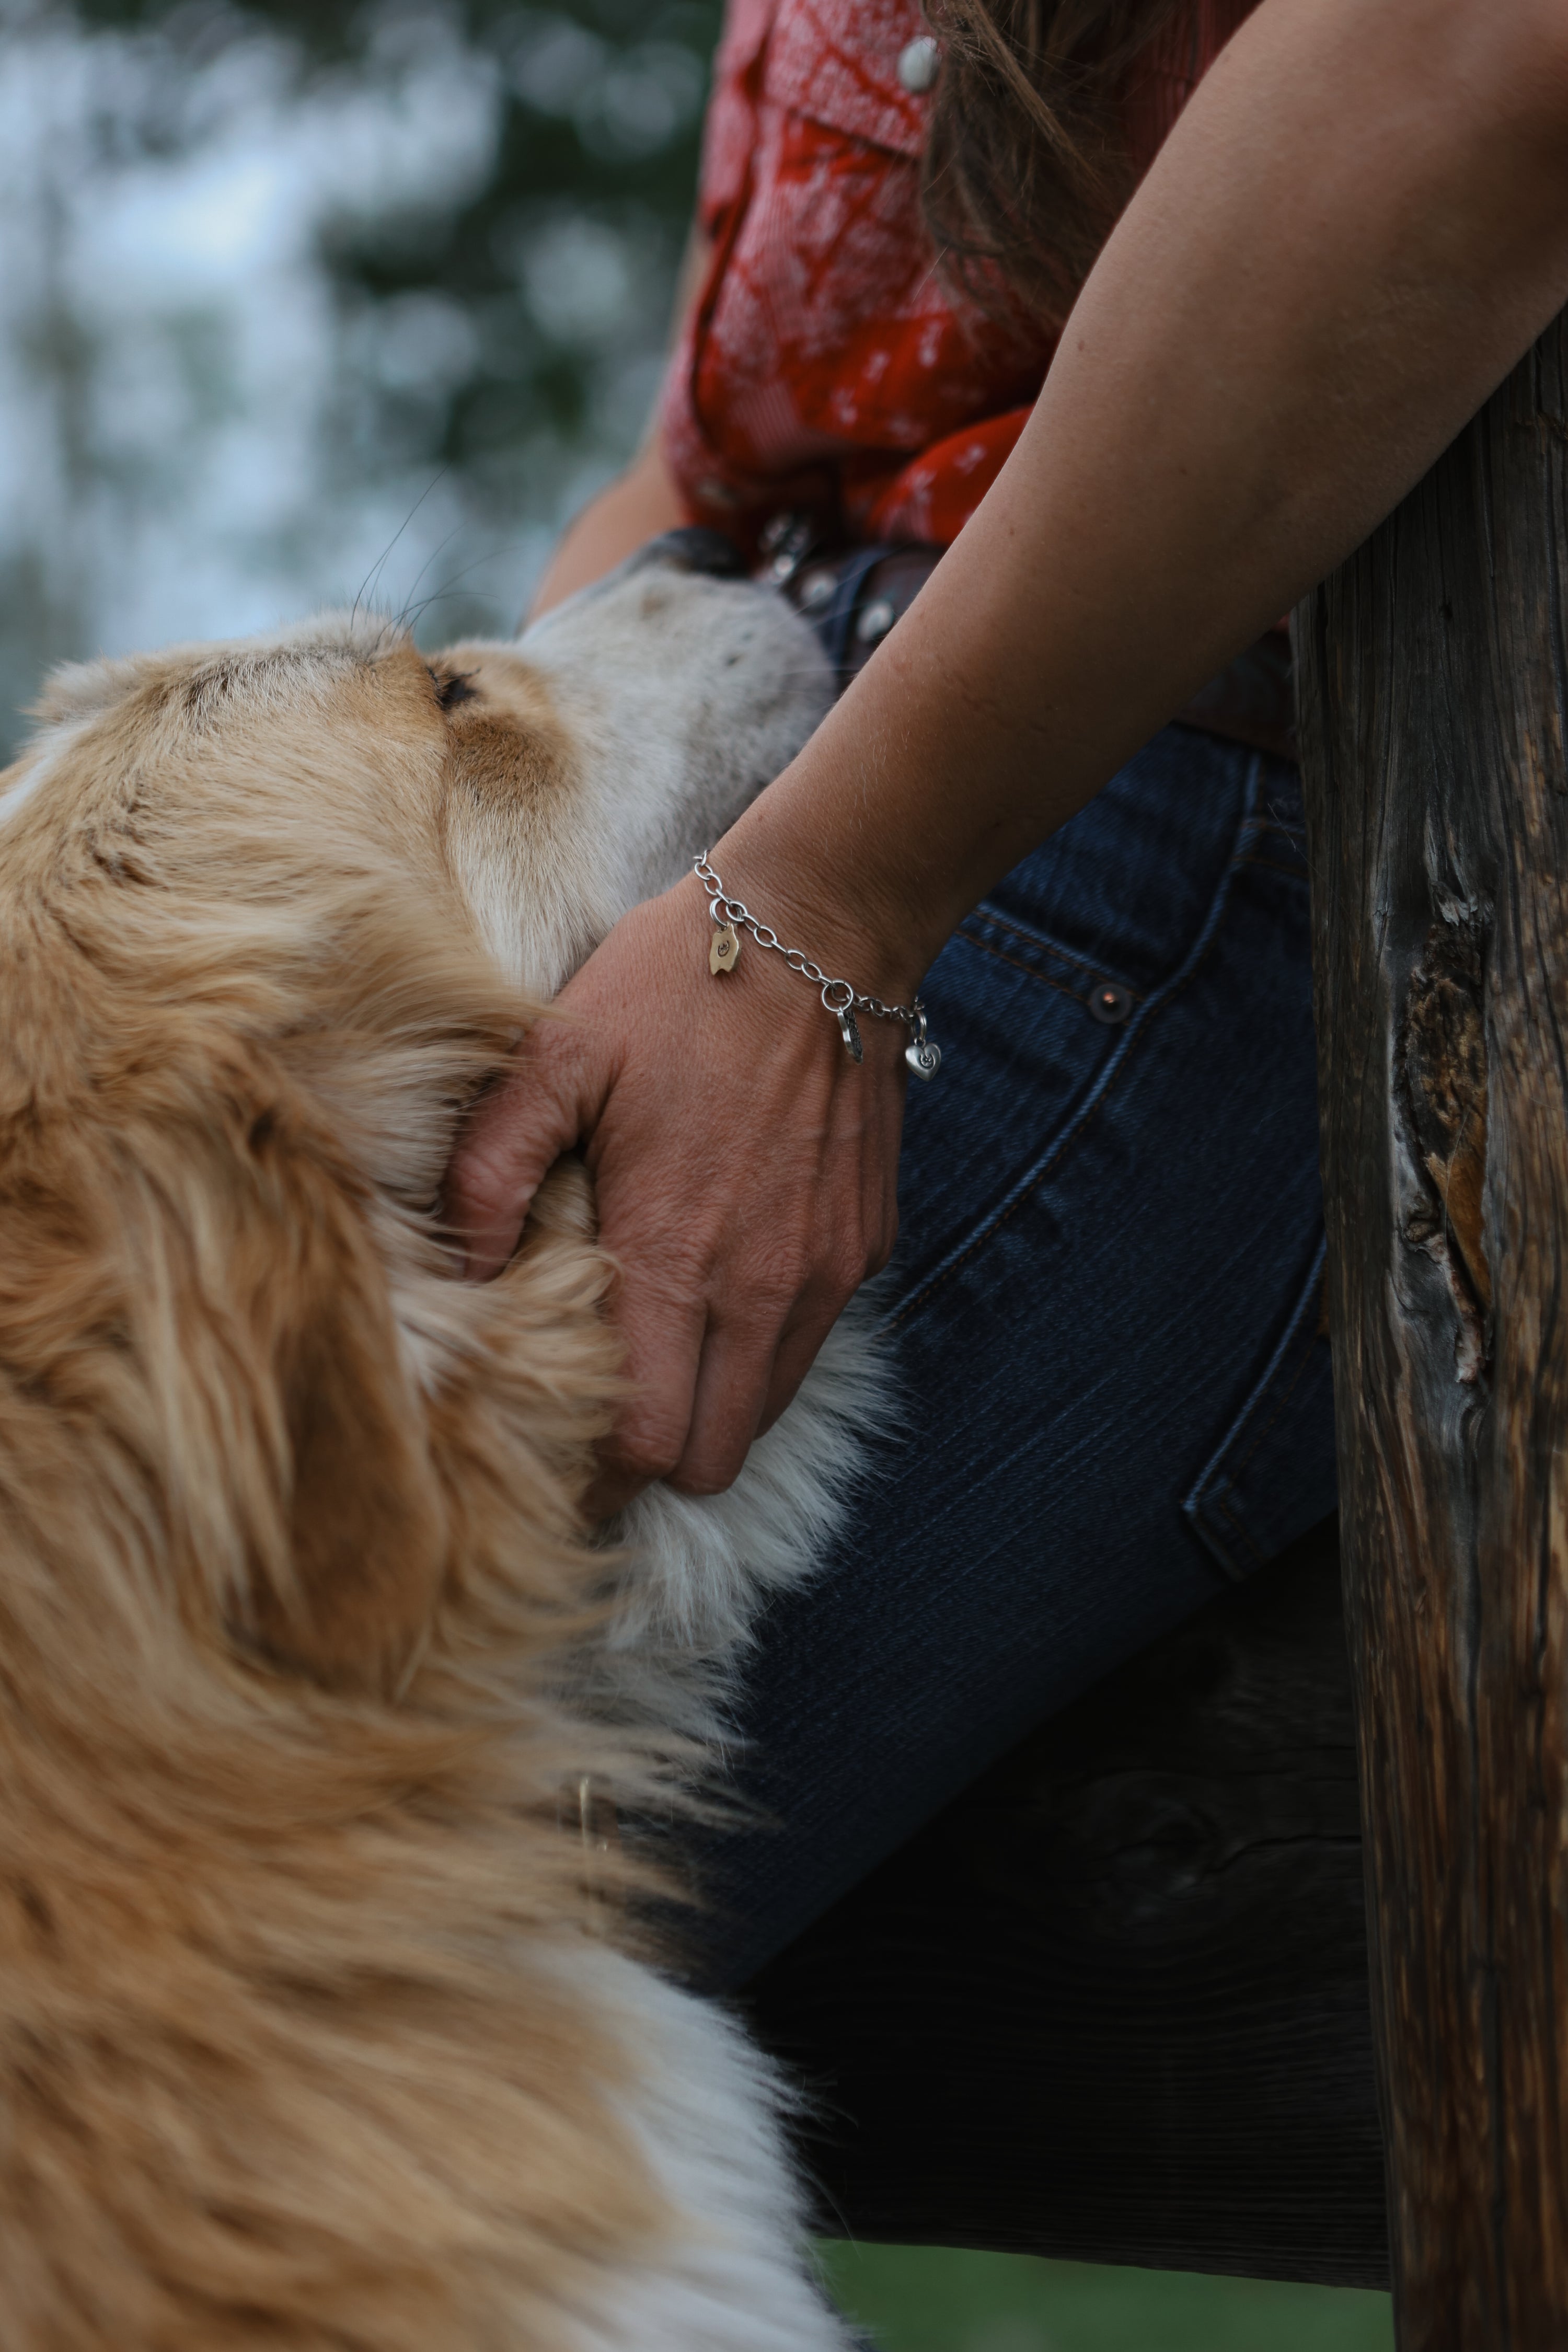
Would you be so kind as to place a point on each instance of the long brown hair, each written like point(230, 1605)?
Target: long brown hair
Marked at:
point(1026, 166)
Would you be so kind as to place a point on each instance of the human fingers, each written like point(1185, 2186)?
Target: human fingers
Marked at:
point(704, 1299)
point(726, 1407)
point(824, 1299)
point(797, 1352)
point(649, 1435)
point(662, 1316)
point(751, 1368)
point(550, 1095)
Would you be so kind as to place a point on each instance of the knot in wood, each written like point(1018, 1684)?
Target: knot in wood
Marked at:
point(1441, 1084)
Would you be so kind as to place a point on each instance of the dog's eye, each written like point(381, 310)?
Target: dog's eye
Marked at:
point(459, 688)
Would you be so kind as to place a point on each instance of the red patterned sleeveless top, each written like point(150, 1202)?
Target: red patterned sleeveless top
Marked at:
point(825, 364)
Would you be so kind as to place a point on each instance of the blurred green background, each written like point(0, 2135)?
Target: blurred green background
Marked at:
point(930, 2299)
point(301, 299)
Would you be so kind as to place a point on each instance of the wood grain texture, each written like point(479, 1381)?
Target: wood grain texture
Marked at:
point(1434, 688)
point(1112, 2004)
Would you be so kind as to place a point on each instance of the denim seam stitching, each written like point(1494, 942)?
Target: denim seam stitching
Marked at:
point(1033, 939)
point(1305, 1359)
point(1219, 1501)
point(1213, 1468)
point(1015, 963)
point(1260, 1558)
point(1135, 1028)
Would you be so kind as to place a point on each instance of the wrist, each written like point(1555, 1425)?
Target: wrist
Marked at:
point(819, 893)
point(814, 917)
point(847, 1003)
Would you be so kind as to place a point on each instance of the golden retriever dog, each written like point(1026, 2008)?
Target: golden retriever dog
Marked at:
point(325, 2022)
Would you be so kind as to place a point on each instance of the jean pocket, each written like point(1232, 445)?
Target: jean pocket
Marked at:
point(1099, 988)
point(1272, 1475)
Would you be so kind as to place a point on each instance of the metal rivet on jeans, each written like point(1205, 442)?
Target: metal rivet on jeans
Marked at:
point(876, 621)
point(1111, 1003)
point(919, 65)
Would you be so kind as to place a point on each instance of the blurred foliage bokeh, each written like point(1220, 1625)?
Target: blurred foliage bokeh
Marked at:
point(279, 281)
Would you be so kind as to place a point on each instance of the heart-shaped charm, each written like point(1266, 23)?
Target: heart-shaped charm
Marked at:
point(923, 1058)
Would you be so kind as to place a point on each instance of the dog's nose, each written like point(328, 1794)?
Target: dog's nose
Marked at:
point(693, 548)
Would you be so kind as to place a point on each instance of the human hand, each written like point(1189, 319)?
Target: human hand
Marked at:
point(745, 1171)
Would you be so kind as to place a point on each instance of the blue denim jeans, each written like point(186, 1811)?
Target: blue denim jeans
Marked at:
point(1106, 1309)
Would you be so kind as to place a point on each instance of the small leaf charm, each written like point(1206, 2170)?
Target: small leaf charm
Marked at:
point(850, 1031)
point(923, 1058)
point(725, 952)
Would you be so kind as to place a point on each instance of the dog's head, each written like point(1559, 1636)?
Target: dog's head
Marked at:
point(270, 913)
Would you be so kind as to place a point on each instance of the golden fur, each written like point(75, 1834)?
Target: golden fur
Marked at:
point(299, 2044)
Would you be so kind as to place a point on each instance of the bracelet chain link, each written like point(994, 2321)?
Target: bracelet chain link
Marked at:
point(839, 997)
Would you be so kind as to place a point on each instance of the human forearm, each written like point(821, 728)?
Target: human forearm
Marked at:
point(1360, 222)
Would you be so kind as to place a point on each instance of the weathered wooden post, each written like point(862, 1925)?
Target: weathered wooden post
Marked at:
point(1434, 671)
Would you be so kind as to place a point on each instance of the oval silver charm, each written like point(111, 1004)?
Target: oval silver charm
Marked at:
point(849, 1032)
point(923, 1058)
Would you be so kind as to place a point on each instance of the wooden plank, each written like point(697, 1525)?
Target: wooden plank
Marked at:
point(1434, 684)
point(1113, 2003)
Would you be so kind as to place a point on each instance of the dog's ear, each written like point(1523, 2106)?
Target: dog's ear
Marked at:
point(365, 1526)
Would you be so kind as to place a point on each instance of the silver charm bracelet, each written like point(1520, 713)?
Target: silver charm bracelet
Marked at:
point(732, 916)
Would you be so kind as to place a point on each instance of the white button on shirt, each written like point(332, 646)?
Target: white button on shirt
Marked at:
point(918, 64)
